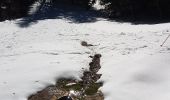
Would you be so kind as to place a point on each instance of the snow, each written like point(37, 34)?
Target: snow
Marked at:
point(34, 8)
point(134, 66)
point(140, 79)
point(98, 6)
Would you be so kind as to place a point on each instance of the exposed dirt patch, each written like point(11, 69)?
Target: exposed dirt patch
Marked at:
point(86, 89)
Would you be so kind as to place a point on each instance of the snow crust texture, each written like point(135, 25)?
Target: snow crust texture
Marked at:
point(134, 66)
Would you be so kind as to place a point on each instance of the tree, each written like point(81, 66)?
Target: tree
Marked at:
point(137, 8)
point(10, 9)
point(81, 3)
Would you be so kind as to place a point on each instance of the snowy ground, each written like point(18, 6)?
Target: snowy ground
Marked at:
point(134, 66)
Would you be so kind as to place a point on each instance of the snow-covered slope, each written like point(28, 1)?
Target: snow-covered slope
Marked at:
point(134, 66)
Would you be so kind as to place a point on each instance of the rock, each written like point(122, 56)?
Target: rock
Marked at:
point(49, 93)
point(65, 98)
point(53, 97)
point(86, 89)
point(84, 43)
point(95, 64)
point(89, 77)
point(97, 96)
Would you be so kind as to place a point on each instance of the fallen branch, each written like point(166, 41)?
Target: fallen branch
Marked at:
point(165, 40)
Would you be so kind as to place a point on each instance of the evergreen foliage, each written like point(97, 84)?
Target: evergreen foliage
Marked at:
point(137, 8)
point(82, 3)
point(128, 9)
point(10, 9)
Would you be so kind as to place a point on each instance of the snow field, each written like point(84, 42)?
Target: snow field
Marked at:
point(134, 66)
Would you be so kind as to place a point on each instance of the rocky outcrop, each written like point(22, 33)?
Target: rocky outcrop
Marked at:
point(91, 76)
point(86, 89)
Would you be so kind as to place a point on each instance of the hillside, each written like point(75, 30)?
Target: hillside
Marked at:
point(134, 66)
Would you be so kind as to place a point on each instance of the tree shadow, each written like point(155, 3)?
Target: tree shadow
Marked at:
point(142, 18)
point(76, 14)
point(73, 14)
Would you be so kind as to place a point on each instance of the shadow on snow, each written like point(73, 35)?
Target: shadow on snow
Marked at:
point(80, 15)
point(73, 14)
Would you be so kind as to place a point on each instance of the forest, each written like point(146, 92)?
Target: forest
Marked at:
point(126, 9)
